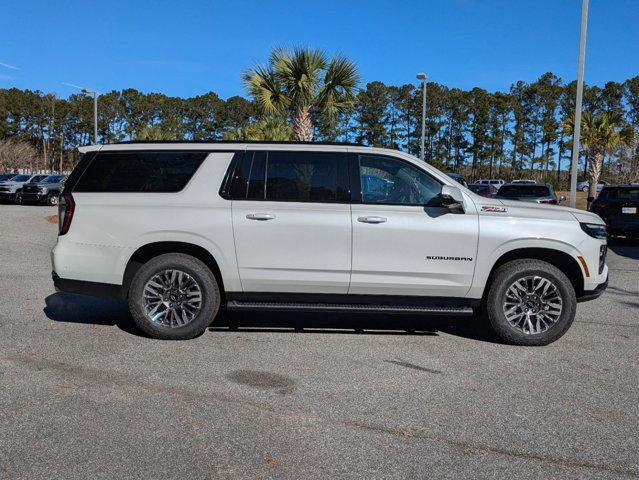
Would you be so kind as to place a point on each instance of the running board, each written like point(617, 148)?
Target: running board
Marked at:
point(347, 307)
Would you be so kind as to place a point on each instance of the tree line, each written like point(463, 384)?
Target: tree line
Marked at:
point(524, 132)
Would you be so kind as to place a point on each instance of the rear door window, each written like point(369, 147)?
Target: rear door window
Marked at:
point(139, 171)
point(320, 177)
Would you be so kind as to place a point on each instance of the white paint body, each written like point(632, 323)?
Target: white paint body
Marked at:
point(315, 247)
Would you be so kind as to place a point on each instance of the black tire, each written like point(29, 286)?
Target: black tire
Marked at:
point(509, 273)
point(17, 199)
point(52, 199)
point(585, 189)
point(210, 292)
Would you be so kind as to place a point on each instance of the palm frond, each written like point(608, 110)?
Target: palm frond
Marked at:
point(301, 74)
point(264, 86)
point(338, 92)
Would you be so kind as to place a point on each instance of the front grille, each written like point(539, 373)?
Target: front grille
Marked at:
point(5, 189)
point(602, 257)
point(30, 189)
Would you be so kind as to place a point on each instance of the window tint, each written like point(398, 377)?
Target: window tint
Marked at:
point(391, 181)
point(479, 188)
point(622, 194)
point(139, 171)
point(524, 191)
point(306, 177)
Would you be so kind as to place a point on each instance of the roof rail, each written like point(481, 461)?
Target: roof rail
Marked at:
point(268, 142)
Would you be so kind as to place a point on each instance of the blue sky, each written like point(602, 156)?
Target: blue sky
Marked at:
point(191, 47)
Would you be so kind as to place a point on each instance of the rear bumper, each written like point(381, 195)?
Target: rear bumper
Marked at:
point(592, 294)
point(93, 289)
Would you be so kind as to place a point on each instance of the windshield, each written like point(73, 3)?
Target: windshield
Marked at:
point(6, 176)
point(53, 179)
point(21, 178)
point(37, 178)
point(620, 194)
point(513, 191)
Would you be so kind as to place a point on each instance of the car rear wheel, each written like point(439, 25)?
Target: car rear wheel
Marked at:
point(174, 297)
point(530, 302)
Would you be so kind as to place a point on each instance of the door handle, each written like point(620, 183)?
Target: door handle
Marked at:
point(372, 219)
point(260, 216)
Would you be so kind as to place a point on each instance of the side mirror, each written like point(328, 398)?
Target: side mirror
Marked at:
point(452, 198)
point(562, 198)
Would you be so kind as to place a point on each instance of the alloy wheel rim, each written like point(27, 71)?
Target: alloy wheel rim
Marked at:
point(172, 298)
point(532, 304)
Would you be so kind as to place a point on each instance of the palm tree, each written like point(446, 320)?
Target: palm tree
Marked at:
point(303, 84)
point(266, 129)
point(601, 134)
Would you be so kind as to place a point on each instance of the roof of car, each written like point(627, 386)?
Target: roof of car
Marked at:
point(624, 185)
point(525, 185)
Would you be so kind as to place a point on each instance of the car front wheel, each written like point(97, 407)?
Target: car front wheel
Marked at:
point(174, 297)
point(52, 199)
point(530, 302)
point(18, 199)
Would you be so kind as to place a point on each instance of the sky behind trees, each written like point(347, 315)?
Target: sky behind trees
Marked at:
point(189, 48)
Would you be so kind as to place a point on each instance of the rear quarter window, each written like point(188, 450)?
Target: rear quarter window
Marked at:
point(139, 171)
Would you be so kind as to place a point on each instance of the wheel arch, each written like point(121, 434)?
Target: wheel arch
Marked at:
point(562, 260)
point(151, 250)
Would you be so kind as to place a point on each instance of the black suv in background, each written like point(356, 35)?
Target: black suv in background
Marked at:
point(44, 190)
point(618, 205)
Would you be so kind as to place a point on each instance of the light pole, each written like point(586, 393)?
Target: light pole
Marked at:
point(95, 113)
point(95, 108)
point(422, 77)
point(580, 89)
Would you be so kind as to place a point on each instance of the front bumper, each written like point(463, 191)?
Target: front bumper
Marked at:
point(7, 195)
point(34, 197)
point(592, 294)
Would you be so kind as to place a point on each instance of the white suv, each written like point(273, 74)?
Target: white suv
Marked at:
point(181, 230)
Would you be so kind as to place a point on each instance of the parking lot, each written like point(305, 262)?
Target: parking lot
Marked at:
point(289, 395)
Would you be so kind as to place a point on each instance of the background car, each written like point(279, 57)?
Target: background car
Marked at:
point(11, 190)
point(583, 186)
point(6, 176)
point(46, 190)
point(458, 178)
point(527, 192)
point(618, 205)
point(483, 189)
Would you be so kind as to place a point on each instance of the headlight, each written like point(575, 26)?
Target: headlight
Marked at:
point(595, 230)
point(42, 189)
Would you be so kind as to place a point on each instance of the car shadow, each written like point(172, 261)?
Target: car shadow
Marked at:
point(80, 309)
point(624, 247)
point(471, 327)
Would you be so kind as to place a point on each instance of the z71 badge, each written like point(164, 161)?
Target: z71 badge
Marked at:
point(493, 209)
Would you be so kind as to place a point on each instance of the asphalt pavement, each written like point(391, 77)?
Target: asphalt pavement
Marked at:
point(305, 396)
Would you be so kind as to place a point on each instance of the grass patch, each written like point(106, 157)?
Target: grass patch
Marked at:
point(582, 199)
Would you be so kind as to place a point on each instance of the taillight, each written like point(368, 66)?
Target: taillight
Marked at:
point(66, 207)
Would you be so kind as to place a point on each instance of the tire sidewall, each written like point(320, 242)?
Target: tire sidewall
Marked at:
point(505, 277)
point(202, 275)
point(52, 200)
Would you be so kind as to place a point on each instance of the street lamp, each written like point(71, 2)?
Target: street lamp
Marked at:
point(422, 77)
point(95, 108)
point(580, 90)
